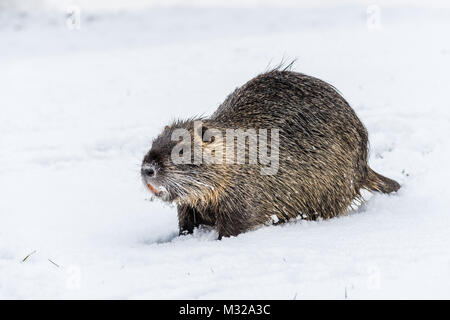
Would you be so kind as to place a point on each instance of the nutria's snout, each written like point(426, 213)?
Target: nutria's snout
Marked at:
point(154, 180)
point(148, 172)
point(151, 169)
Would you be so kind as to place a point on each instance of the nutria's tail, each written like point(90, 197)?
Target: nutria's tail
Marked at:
point(377, 182)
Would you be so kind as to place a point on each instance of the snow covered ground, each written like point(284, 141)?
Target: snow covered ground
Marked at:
point(78, 110)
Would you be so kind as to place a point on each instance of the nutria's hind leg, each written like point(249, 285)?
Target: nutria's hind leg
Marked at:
point(190, 218)
point(226, 231)
point(230, 224)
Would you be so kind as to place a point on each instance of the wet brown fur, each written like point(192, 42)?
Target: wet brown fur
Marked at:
point(323, 159)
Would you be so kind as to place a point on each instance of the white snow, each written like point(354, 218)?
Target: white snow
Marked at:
point(274, 218)
point(79, 109)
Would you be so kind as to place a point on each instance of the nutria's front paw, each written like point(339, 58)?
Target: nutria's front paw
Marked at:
point(185, 232)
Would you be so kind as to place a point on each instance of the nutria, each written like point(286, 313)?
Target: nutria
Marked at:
point(322, 158)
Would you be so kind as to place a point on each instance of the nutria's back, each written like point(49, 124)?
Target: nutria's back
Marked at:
point(322, 158)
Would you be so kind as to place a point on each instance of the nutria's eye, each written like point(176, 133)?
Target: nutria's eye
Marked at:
point(204, 129)
point(181, 152)
point(204, 138)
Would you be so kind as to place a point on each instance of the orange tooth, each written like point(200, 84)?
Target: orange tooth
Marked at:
point(152, 189)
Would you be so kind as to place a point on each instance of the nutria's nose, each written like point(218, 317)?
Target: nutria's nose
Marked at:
point(148, 172)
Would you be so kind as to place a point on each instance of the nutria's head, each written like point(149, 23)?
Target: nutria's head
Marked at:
point(171, 171)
